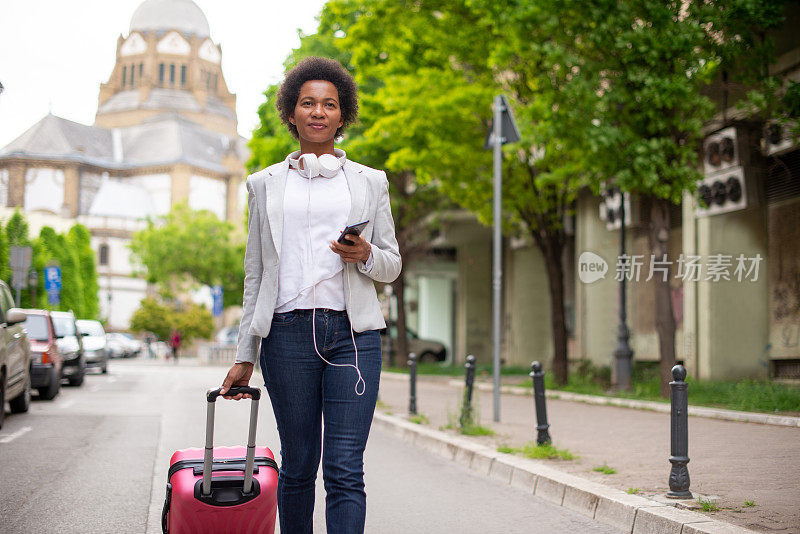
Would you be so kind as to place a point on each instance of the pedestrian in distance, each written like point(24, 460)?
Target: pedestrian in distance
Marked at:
point(311, 314)
point(148, 342)
point(175, 343)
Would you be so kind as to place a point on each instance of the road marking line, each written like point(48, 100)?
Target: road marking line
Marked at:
point(11, 437)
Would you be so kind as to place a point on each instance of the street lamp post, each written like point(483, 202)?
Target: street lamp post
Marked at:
point(33, 282)
point(623, 355)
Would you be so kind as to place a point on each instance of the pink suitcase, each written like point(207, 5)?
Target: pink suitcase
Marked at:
point(240, 497)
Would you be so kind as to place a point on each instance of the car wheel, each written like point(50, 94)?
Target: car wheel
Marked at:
point(22, 402)
point(52, 388)
point(76, 380)
point(2, 398)
point(428, 357)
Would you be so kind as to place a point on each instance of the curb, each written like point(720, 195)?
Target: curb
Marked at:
point(697, 411)
point(610, 506)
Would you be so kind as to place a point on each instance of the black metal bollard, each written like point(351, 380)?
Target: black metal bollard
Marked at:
point(466, 418)
point(412, 381)
point(679, 435)
point(539, 401)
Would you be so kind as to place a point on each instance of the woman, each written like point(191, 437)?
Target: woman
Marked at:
point(175, 343)
point(310, 300)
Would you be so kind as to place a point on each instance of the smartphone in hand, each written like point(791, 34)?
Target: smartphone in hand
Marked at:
point(353, 229)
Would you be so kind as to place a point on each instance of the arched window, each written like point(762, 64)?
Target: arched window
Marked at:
point(183, 75)
point(103, 252)
point(133, 74)
point(161, 67)
point(124, 75)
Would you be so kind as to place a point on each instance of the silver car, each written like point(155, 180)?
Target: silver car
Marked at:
point(94, 343)
point(15, 357)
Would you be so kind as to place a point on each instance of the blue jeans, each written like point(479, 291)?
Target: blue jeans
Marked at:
point(304, 390)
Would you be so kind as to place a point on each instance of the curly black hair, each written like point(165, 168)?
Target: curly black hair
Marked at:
point(318, 68)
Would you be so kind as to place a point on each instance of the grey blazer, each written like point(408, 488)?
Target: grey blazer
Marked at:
point(369, 199)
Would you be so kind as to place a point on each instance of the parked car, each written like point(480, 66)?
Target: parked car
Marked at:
point(71, 346)
point(47, 361)
point(427, 350)
point(15, 357)
point(94, 343)
point(122, 345)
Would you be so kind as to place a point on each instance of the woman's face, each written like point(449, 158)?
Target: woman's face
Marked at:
point(317, 114)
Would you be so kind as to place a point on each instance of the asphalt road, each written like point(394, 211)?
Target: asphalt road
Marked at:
point(95, 459)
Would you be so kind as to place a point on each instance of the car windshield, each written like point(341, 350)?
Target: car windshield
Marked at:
point(64, 326)
point(36, 325)
point(93, 328)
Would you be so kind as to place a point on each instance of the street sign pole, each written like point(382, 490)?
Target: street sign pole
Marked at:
point(504, 130)
point(20, 261)
point(497, 278)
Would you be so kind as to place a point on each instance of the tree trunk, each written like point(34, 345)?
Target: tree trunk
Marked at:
point(401, 347)
point(665, 319)
point(555, 276)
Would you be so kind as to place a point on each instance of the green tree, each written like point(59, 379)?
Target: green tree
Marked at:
point(652, 62)
point(79, 242)
point(435, 67)
point(193, 321)
point(191, 247)
point(5, 248)
point(153, 316)
point(16, 232)
point(53, 249)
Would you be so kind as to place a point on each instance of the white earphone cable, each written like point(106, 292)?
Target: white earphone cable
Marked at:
point(314, 309)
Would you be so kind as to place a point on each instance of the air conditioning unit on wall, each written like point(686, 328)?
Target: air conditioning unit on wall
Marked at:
point(722, 192)
point(726, 162)
point(611, 209)
point(778, 139)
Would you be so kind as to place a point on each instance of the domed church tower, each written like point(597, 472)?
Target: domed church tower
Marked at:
point(164, 134)
point(168, 62)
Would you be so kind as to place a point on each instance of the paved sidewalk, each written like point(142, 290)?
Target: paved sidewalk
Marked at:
point(731, 462)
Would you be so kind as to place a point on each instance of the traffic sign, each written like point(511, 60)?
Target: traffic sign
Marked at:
point(20, 261)
point(216, 294)
point(509, 133)
point(52, 284)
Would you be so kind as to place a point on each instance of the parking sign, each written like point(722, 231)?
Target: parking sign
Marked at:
point(52, 284)
point(216, 294)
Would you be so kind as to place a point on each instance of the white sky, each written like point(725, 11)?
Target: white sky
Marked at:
point(55, 53)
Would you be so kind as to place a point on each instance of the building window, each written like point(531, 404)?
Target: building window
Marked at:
point(215, 83)
point(141, 70)
point(133, 74)
point(172, 73)
point(183, 75)
point(103, 254)
point(124, 75)
point(161, 73)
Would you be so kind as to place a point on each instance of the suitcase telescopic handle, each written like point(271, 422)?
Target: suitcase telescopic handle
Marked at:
point(212, 394)
point(208, 455)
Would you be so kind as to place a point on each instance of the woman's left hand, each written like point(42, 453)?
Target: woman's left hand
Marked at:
point(358, 251)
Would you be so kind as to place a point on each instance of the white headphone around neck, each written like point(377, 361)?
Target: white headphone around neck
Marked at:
point(326, 165)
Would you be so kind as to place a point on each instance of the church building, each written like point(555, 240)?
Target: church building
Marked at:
point(165, 133)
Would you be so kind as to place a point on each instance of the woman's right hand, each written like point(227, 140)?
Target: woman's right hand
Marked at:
point(238, 375)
